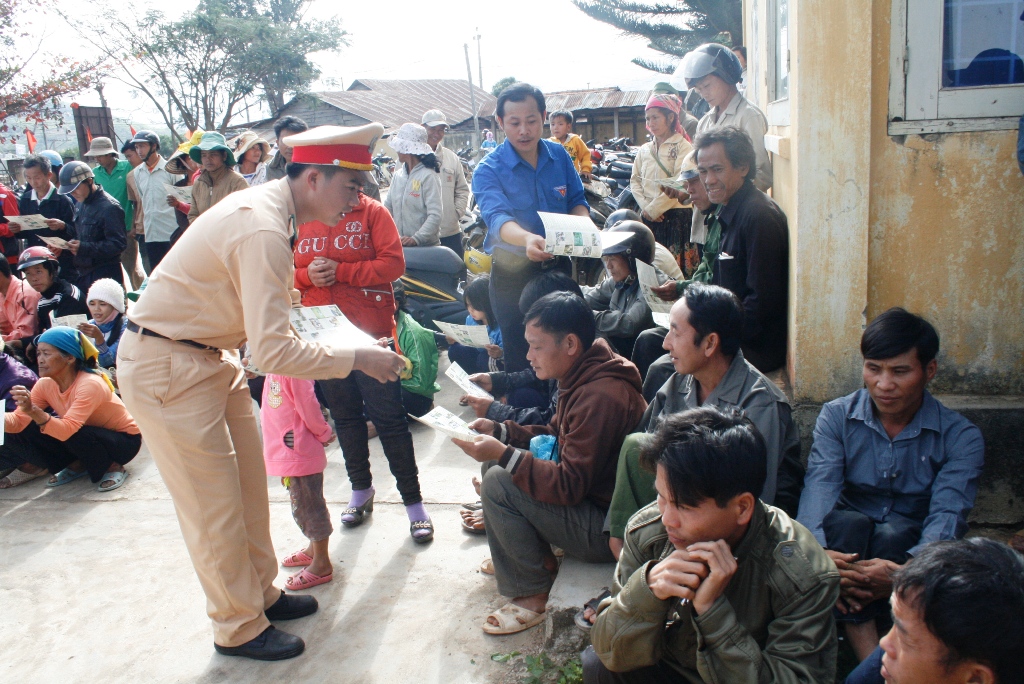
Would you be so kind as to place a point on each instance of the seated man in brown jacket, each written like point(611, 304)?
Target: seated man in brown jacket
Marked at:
point(713, 585)
point(551, 484)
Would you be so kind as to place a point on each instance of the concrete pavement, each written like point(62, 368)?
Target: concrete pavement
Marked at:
point(99, 588)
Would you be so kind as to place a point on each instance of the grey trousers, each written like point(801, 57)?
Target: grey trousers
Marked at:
point(521, 530)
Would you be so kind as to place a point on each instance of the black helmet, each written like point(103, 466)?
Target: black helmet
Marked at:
point(620, 215)
point(709, 58)
point(147, 137)
point(639, 246)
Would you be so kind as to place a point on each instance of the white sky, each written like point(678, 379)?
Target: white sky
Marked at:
point(549, 43)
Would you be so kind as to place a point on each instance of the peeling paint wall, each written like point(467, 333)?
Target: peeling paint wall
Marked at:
point(933, 223)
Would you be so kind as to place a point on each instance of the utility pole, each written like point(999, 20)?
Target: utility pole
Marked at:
point(472, 99)
point(479, 60)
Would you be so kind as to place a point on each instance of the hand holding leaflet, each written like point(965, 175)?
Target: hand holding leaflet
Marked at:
point(29, 221)
point(466, 335)
point(569, 235)
point(648, 278)
point(443, 420)
point(459, 376)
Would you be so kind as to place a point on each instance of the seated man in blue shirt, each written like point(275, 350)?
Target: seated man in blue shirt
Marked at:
point(525, 174)
point(891, 469)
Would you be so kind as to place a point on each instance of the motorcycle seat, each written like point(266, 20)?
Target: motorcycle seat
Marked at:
point(436, 259)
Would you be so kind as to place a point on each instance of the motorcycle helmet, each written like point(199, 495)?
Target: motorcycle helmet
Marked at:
point(477, 261)
point(639, 246)
point(56, 161)
point(33, 256)
point(709, 58)
point(620, 215)
point(72, 175)
point(148, 137)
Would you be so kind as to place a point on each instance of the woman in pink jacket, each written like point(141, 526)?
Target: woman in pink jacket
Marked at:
point(294, 436)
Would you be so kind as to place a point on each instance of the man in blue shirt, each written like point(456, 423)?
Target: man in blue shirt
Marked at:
point(891, 469)
point(525, 174)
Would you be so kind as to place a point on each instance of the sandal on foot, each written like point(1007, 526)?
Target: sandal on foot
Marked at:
point(474, 524)
point(512, 619)
point(581, 619)
point(422, 525)
point(487, 567)
point(304, 579)
point(353, 516)
point(65, 476)
point(299, 559)
point(117, 477)
point(20, 477)
point(475, 506)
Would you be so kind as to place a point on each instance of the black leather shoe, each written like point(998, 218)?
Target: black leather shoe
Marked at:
point(271, 644)
point(291, 607)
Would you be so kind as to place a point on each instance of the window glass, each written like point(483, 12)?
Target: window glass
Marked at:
point(982, 43)
point(782, 49)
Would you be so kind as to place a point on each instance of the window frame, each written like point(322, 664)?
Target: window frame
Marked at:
point(917, 102)
point(777, 111)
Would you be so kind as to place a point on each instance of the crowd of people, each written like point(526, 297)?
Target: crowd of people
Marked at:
point(667, 449)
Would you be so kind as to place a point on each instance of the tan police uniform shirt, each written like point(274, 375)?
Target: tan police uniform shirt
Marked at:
point(229, 279)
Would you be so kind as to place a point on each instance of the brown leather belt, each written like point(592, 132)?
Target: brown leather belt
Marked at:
point(135, 328)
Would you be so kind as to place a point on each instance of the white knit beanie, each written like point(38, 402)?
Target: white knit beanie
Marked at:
point(107, 290)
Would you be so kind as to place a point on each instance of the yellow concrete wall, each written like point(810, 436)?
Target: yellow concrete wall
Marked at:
point(933, 223)
point(947, 240)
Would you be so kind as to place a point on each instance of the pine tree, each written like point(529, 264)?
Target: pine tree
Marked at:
point(673, 27)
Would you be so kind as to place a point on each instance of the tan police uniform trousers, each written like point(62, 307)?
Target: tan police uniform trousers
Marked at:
point(194, 408)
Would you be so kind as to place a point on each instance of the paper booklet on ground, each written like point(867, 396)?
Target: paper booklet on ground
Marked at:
point(461, 378)
point(72, 321)
point(648, 278)
point(569, 235)
point(182, 193)
point(29, 221)
point(327, 325)
point(55, 242)
point(443, 420)
point(466, 335)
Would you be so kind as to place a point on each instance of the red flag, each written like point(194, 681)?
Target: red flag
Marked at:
point(132, 129)
point(88, 135)
point(31, 140)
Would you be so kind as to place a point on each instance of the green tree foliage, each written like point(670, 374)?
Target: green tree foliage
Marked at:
point(673, 27)
point(502, 84)
point(219, 61)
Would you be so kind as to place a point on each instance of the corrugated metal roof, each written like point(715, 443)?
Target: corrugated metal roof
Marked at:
point(394, 102)
point(599, 98)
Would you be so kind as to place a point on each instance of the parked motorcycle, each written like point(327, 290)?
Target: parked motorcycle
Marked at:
point(383, 169)
point(434, 279)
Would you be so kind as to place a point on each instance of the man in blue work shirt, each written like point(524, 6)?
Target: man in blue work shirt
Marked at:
point(525, 174)
point(891, 469)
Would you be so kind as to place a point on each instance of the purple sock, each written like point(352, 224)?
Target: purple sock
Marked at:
point(416, 512)
point(360, 497)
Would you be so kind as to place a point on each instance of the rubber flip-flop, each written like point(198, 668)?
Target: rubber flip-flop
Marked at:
point(65, 476)
point(580, 618)
point(487, 567)
point(299, 559)
point(512, 619)
point(304, 579)
point(475, 506)
point(117, 477)
point(477, 525)
point(20, 477)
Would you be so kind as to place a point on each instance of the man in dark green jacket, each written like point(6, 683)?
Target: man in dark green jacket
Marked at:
point(713, 585)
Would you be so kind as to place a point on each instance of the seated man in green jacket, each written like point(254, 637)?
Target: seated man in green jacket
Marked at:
point(714, 585)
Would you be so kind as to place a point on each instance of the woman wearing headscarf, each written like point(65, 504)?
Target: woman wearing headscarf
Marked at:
point(106, 302)
point(252, 153)
point(71, 422)
point(414, 199)
point(218, 179)
point(661, 159)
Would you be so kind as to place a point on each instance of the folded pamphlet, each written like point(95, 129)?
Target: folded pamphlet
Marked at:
point(461, 378)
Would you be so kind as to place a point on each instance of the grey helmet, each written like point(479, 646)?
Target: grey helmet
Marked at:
point(709, 58)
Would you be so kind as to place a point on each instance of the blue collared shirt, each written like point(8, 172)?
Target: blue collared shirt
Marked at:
point(509, 189)
point(928, 473)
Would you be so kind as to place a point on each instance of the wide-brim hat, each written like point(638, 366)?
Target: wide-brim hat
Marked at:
point(210, 142)
point(411, 138)
point(345, 146)
point(176, 164)
point(245, 142)
point(100, 147)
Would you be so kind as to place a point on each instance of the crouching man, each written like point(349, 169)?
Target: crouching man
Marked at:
point(713, 585)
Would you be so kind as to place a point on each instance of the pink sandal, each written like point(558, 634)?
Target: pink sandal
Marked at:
point(299, 559)
point(304, 579)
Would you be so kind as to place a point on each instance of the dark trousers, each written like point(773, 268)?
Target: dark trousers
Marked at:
point(112, 271)
point(347, 398)
point(471, 359)
point(648, 349)
point(869, 671)
point(594, 672)
point(510, 274)
point(454, 243)
point(97, 448)
point(256, 388)
point(156, 251)
point(850, 531)
point(416, 404)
